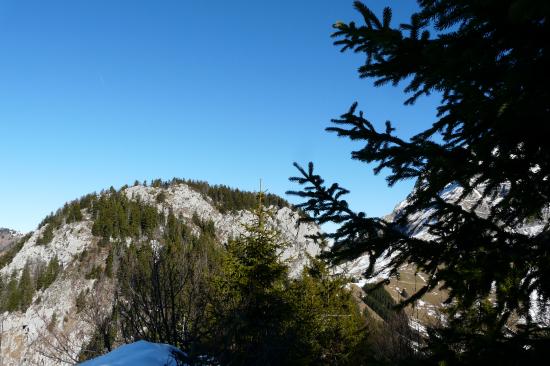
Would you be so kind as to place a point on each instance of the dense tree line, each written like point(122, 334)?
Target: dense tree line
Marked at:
point(71, 212)
point(229, 199)
point(114, 216)
point(225, 198)
point(117, 216)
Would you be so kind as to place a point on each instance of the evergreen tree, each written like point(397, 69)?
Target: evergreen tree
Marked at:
point(149, 220)
point(9, 254)
point(45, 275)
point(489, 62)
point(161, 197)
point(135, 220)
point(330, 329)
point(252, 324)
point(73, 212)
point(13, 295)
point(267, 318)
point(109, 264)
point(26, 288)
point(47, 235)
point(229, 199)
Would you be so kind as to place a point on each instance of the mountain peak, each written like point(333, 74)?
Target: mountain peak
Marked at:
point(77, 240)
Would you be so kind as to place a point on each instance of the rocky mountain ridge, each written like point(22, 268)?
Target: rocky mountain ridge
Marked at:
point(52, 331)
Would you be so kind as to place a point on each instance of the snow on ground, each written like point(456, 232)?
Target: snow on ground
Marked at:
point(414, 324)
point(140, 353)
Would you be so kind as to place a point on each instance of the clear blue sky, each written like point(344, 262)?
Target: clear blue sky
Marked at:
point(100, 93)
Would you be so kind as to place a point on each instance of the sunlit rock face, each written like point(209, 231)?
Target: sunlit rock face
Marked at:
point(52, 331)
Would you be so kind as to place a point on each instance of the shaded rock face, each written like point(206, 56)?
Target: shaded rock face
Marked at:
point(52, 330)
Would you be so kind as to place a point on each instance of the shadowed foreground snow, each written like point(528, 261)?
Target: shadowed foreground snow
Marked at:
point(140, 353)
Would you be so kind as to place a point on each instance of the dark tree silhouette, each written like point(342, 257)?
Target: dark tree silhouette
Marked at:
point(489, 61)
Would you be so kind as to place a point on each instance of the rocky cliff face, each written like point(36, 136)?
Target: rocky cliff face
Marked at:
point(7, 238)
point(52, 331)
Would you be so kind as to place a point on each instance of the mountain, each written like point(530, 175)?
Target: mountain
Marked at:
point(427, 311)
point(70, 250)
point(7, 238)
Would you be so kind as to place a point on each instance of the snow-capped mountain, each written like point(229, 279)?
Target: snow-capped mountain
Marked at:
point(51, 331)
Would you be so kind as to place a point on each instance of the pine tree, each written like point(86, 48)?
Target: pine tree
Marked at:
point(47, 235)
point(489, 62)
point(47, 276)
point(73, 212)
point(149, 220)
point(13, 295)
point(330, 329)
point(26, 288)
point(135, 220)
point(268, 318)
point(252, 291)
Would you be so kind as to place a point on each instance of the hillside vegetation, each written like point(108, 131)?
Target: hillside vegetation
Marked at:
point(154, 272)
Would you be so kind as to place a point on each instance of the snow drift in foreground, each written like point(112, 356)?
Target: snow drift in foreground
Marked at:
point(140, 353)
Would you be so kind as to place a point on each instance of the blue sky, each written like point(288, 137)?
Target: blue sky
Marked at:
point(100, 93)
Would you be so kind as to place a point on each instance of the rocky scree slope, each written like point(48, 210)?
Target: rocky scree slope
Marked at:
point(52, 329)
